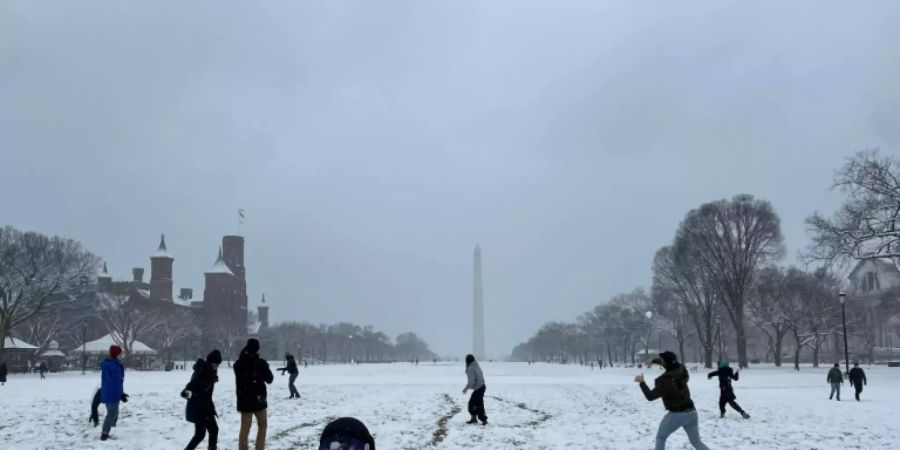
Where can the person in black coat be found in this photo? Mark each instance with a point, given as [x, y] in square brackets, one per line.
[291, 369]
[42, 369]
[726, 391]
[251, 374]
[3, 373]
[200, 409]
[857, 379]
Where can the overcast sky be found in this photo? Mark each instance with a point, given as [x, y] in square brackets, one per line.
[374, 143]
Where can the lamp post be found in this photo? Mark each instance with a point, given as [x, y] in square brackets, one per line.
[842, 295]
[719, 335]
[649, 316]
[83, 345]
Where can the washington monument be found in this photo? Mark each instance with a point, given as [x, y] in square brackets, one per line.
[478, 309]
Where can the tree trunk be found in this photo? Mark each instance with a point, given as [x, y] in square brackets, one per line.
[741, 340]
[681, 354]
[797, 352]
[779, 341]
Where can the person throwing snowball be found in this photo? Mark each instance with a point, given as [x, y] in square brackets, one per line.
[476, 384]
[672, 387]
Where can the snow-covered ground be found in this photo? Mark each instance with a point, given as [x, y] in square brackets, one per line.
[421, 407]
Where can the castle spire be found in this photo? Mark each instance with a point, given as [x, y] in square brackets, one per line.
[264, 298]
[162, 251]
[219, 266]
[105, 271]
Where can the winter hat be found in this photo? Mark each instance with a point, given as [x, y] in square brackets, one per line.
[723, 363]
[668, 359]
[346, 433]
[214, 357]
[470, 359]
[115, 351]
[252, 346]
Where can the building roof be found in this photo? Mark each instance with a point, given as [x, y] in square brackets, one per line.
[52, 353]
[878, 263]
[12, 342]
[143, 293]
[219, 266]
[102, 346]
[162, 251]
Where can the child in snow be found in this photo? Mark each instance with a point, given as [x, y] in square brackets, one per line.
[672, 387]
[857, 378]
[836, 379]
[291, 369]
[476, 383]
[112, 381]
[346, 433]
[726, 392]
[252, 374]
[200, 410]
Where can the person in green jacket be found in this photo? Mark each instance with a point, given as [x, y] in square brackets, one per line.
[836, 379]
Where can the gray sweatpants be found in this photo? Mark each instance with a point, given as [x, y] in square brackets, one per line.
[675, 420]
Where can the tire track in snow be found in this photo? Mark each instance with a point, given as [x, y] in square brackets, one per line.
[441, 432]
[542, 415]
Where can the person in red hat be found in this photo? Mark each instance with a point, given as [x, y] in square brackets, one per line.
[112, 381]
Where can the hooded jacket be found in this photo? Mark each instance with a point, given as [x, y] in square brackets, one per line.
[835, 376]
[475, 376]
[112, 380]
[672, 387]
[200, 404]
[251, 374]
[857, 376]
[725, 374]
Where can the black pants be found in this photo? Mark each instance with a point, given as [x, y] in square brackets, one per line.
[294, 391]
[476, 404]
[858, 388]
[200, 429]
[727, 398]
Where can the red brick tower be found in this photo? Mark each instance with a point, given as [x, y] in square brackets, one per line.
[233, 254]
[161, 273]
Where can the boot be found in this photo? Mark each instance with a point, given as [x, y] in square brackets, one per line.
[484, 422]
[104, 436]
[745, 415]
[722, 415]
[473, 421]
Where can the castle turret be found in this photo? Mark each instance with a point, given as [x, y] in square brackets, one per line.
[161, 273]
[263, 313]
[104, 280]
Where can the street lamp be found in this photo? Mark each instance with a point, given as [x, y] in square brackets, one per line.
[842, 295]
[83, 345]
[649, 316]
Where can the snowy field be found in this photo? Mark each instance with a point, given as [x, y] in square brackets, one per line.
[421, 407]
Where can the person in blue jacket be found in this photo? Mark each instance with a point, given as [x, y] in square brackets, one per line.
[112, 381]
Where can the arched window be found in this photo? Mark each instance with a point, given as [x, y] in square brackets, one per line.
[870, 282]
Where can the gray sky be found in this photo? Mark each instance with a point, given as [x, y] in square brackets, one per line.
[373, 144]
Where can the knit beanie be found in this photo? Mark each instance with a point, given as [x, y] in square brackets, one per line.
[115, 351]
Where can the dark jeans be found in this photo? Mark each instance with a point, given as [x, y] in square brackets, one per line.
[112, 416]
[476, 404]
[200, 429]
[858, 388]
[294, 391]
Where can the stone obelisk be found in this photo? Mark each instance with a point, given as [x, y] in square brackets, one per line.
[478, 309]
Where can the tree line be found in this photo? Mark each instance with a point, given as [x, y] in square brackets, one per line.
[722, 269]
[48, 292]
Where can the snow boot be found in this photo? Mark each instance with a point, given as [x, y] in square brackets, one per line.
[104, 437]
[474, 421]
[745, 415]
[721, 415]
[484, 422]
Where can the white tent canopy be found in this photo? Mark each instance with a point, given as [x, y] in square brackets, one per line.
[12, 342]
[102, 346]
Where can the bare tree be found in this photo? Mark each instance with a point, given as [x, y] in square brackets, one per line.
[867, 225]
[766, 304]
[734, 238]
[672, 316]
[125, 321]
[172, 332]
[679, 270]
[38, 273]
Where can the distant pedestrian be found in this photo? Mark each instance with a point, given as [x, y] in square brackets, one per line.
[200, 409]
[112, 381]
[42, 369]
[476, 383]
[3, 372]
[836, 379]
[857, 379]
[726, 391]
[346, 433]
[251, 375]
[291, 369]
[672, 387]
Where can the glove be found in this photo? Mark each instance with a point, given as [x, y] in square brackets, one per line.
[124, 398]
[185, 394]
